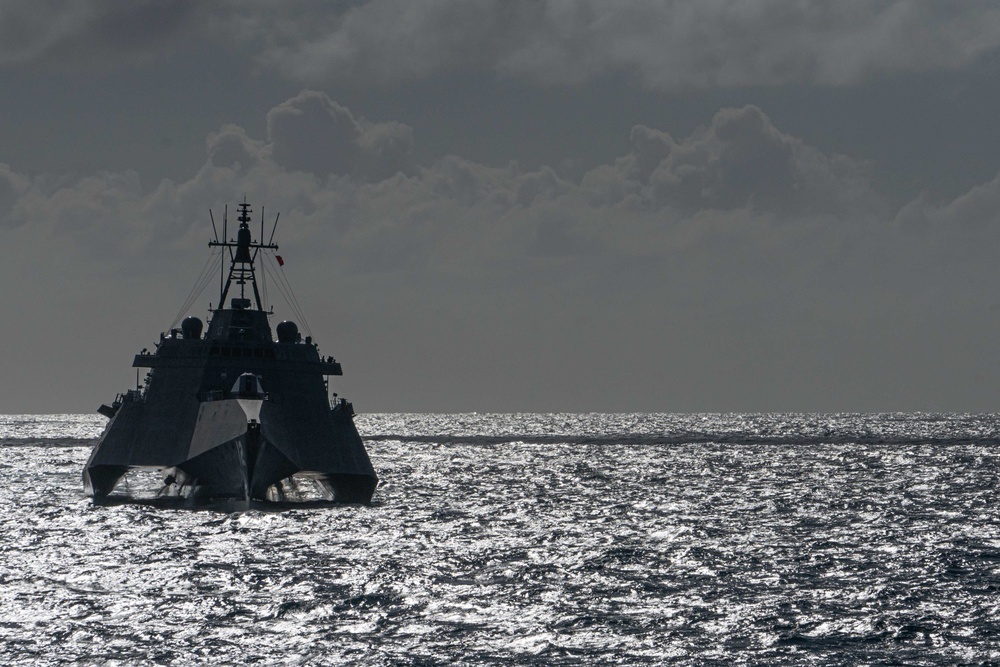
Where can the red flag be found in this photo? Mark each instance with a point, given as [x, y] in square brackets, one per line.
[281, 262]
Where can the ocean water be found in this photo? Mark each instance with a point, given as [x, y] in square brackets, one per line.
[555, 539]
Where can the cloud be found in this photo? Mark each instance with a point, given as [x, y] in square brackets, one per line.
[12, 187]
[91, 31]
[351, 185]
[416, 39]
[359, 200]
[759, 42]
[740, 160]
[733, 268]
[231, 147]
[974, 212]
[312, 133]
[663, 46]
[963, 232]
[667, 46]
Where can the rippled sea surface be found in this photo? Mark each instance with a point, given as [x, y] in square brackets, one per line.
[533, 540]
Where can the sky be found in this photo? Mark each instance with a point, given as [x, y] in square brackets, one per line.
[518, 205]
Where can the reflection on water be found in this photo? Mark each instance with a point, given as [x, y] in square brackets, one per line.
[531, 539]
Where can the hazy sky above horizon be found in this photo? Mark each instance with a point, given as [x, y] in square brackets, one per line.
[507, 205]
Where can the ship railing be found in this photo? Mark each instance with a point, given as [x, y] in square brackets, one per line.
[130, 396]
[342, 406]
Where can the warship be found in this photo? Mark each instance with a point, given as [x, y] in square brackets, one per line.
[233, 413]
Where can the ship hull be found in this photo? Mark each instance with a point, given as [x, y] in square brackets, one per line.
[234, 449]
[234, 413]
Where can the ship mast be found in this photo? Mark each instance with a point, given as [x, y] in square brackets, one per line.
[242, 255]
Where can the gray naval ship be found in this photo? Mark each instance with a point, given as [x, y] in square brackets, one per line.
[233, 413]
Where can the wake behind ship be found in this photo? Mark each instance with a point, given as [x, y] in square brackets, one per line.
[233, 413]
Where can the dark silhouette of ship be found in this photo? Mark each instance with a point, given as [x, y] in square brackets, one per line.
[233, 413]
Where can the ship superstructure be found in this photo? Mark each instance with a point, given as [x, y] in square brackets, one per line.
[234, 413]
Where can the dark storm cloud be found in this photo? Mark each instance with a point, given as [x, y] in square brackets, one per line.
[664, 45]
[79, 33]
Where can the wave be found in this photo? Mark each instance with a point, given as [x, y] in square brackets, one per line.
[619, 440]
[632, 439]
[48, 442]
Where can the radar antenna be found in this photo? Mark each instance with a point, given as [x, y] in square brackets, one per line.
[243, 253]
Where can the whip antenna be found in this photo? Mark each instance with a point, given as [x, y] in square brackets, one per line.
[274, 228]
[214, 230]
